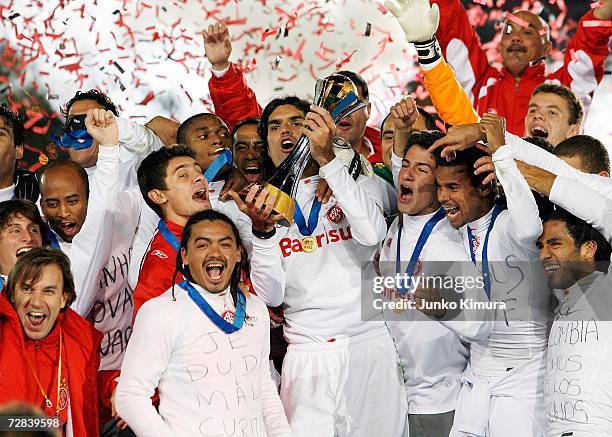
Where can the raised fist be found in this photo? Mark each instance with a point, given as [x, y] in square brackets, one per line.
[102, 126]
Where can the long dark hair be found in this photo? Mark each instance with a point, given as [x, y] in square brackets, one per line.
[211, 215]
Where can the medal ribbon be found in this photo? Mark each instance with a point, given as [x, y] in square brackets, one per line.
[225, 157]
[485, 258]
[219, 321]
[313, 217]
[418, 248]
[52, 238]
[168, 236]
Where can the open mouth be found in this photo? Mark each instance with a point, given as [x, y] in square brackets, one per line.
[22, 251]
[452, 213]
[214, 270]
[287, 145]
[252, 173]
[539, 131]
[405, 193]
[200, 194]
[69, 228]
[35, 318]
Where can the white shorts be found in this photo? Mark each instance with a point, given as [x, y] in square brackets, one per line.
[506, 406]
[351, 387]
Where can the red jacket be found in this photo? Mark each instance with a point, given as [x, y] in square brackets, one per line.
[80, 361]
[158, 267]
[234, 100]
[232, 97]
[496, 90]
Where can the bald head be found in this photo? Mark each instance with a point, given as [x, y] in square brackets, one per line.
[64, 193]
[525, 38]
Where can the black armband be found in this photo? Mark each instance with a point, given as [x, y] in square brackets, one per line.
[428, 51]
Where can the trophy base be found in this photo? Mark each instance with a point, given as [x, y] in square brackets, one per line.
[282, 205]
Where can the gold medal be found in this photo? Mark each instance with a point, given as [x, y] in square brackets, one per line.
[309, 244]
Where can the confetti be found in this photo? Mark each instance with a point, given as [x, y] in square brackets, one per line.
[516, 20]
[150, 96]
[368, 29]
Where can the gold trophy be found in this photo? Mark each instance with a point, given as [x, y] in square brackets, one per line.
[338, 95]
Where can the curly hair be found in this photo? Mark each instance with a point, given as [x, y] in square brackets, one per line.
[15, 121]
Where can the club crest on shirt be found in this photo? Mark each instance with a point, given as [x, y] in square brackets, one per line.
[389, 241]
[158, 253]
[335, 214]
[228, 316]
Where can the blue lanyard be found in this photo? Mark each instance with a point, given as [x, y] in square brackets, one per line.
[52, 238]
[168, 236]
[418, 248]
[221, 323]
[313, 217]
[225, 157]
[485, 257]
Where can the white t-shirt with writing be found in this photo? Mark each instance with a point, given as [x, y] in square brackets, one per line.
[578, 372]
[210, 382]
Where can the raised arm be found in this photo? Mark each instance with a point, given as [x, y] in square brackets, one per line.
[136, 138]
[91, 247]
[232, 97]
[360, 200]
[523, 225]
[586, 52]
[573, 196]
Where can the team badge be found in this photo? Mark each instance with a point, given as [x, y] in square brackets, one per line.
[228, 316]
[335, 214]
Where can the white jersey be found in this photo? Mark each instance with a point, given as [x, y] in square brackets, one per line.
[321, 290]
[432, 384]
[578, 372]
[7, 193]
[517, 278]
[209, 382]
[584, 202]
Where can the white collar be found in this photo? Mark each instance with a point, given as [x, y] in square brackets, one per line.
[480, 225]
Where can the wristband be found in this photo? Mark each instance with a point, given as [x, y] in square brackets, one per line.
[428, 51]
[264, 235]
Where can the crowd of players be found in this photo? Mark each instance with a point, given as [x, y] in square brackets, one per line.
[141, 298]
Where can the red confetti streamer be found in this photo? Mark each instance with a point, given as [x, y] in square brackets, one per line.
[150, 96]
[267, 33]
[346, 59]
